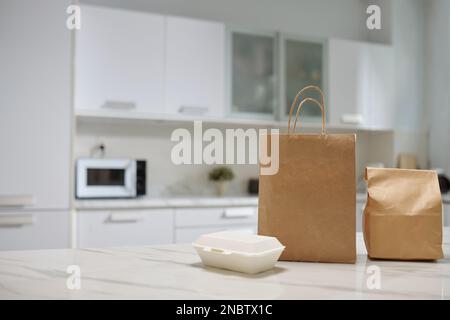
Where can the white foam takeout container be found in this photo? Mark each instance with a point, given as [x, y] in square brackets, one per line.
[236, 251]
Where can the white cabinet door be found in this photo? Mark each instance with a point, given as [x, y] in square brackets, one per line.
[361, 89]
[380, 66]
[193, 222]
[194, 80]
[35, 107]
[189, 235]
[124, 228]
[30, 230]
[446, 214]
[348, 83]
[119, 60]
[359, 215]
[194, 217]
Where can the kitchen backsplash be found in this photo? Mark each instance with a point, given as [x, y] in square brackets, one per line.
[151, 141]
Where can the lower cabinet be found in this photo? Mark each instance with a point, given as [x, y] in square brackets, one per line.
[30, 230]
[107, 228]
[193, 222]
[359, 215]
[446, 213]
[186, 235]
[134, 227]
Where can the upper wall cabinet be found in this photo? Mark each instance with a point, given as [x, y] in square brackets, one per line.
[381, 103]
[361, 84]
[302, 64]
[194, 79]
[252, 68]
[119, 60]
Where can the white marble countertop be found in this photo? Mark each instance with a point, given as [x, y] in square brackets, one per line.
[175, 272]
[147, 202]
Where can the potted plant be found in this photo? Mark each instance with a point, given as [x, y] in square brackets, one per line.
[221, 176]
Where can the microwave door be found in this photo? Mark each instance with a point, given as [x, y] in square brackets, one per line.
[106, 178]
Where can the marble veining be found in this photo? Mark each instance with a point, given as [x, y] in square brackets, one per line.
[176, 272]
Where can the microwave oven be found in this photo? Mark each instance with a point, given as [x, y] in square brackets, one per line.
[110, 178]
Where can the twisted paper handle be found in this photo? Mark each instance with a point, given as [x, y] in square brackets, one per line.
[294, 103]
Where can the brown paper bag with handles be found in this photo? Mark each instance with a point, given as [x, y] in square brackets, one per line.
[310, 203]
[403, 214]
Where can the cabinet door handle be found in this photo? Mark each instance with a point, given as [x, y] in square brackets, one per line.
[193, 110]
[236, 213]
[17, 201]
[13, 219]
[119, 217]
[350, 118]
[119, 105]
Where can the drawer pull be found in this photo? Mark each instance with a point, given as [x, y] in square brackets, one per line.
[236, 213]
[349, 118]
[124, 217]
[17, 201]
[119, 105]
[10, 220]
[193, 110]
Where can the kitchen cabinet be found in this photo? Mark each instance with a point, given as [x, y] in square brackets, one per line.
[194, 67]
[302, 64]
[361, 84]
[35, 103]
[119, 61]
[106, 228]
[30, 230]
[189, 235]
[360, 205]
[446, 213]
[253, 74]
[191, 223]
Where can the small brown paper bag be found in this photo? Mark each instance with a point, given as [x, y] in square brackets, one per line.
[403, 214]
[310, 204]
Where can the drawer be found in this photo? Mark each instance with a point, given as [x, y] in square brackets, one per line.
[194, 217]
[124, 227]
[189, 235]
[30, 230]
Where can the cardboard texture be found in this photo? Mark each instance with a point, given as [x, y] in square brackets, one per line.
[403, 215]
[310, 204]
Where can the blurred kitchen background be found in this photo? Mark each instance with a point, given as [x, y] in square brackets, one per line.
[138, 69]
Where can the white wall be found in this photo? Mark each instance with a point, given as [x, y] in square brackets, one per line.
[326, 18]
[438, 81]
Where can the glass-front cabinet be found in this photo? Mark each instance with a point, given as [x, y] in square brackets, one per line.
[302, 64]
[252, 60]
[267, 71]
